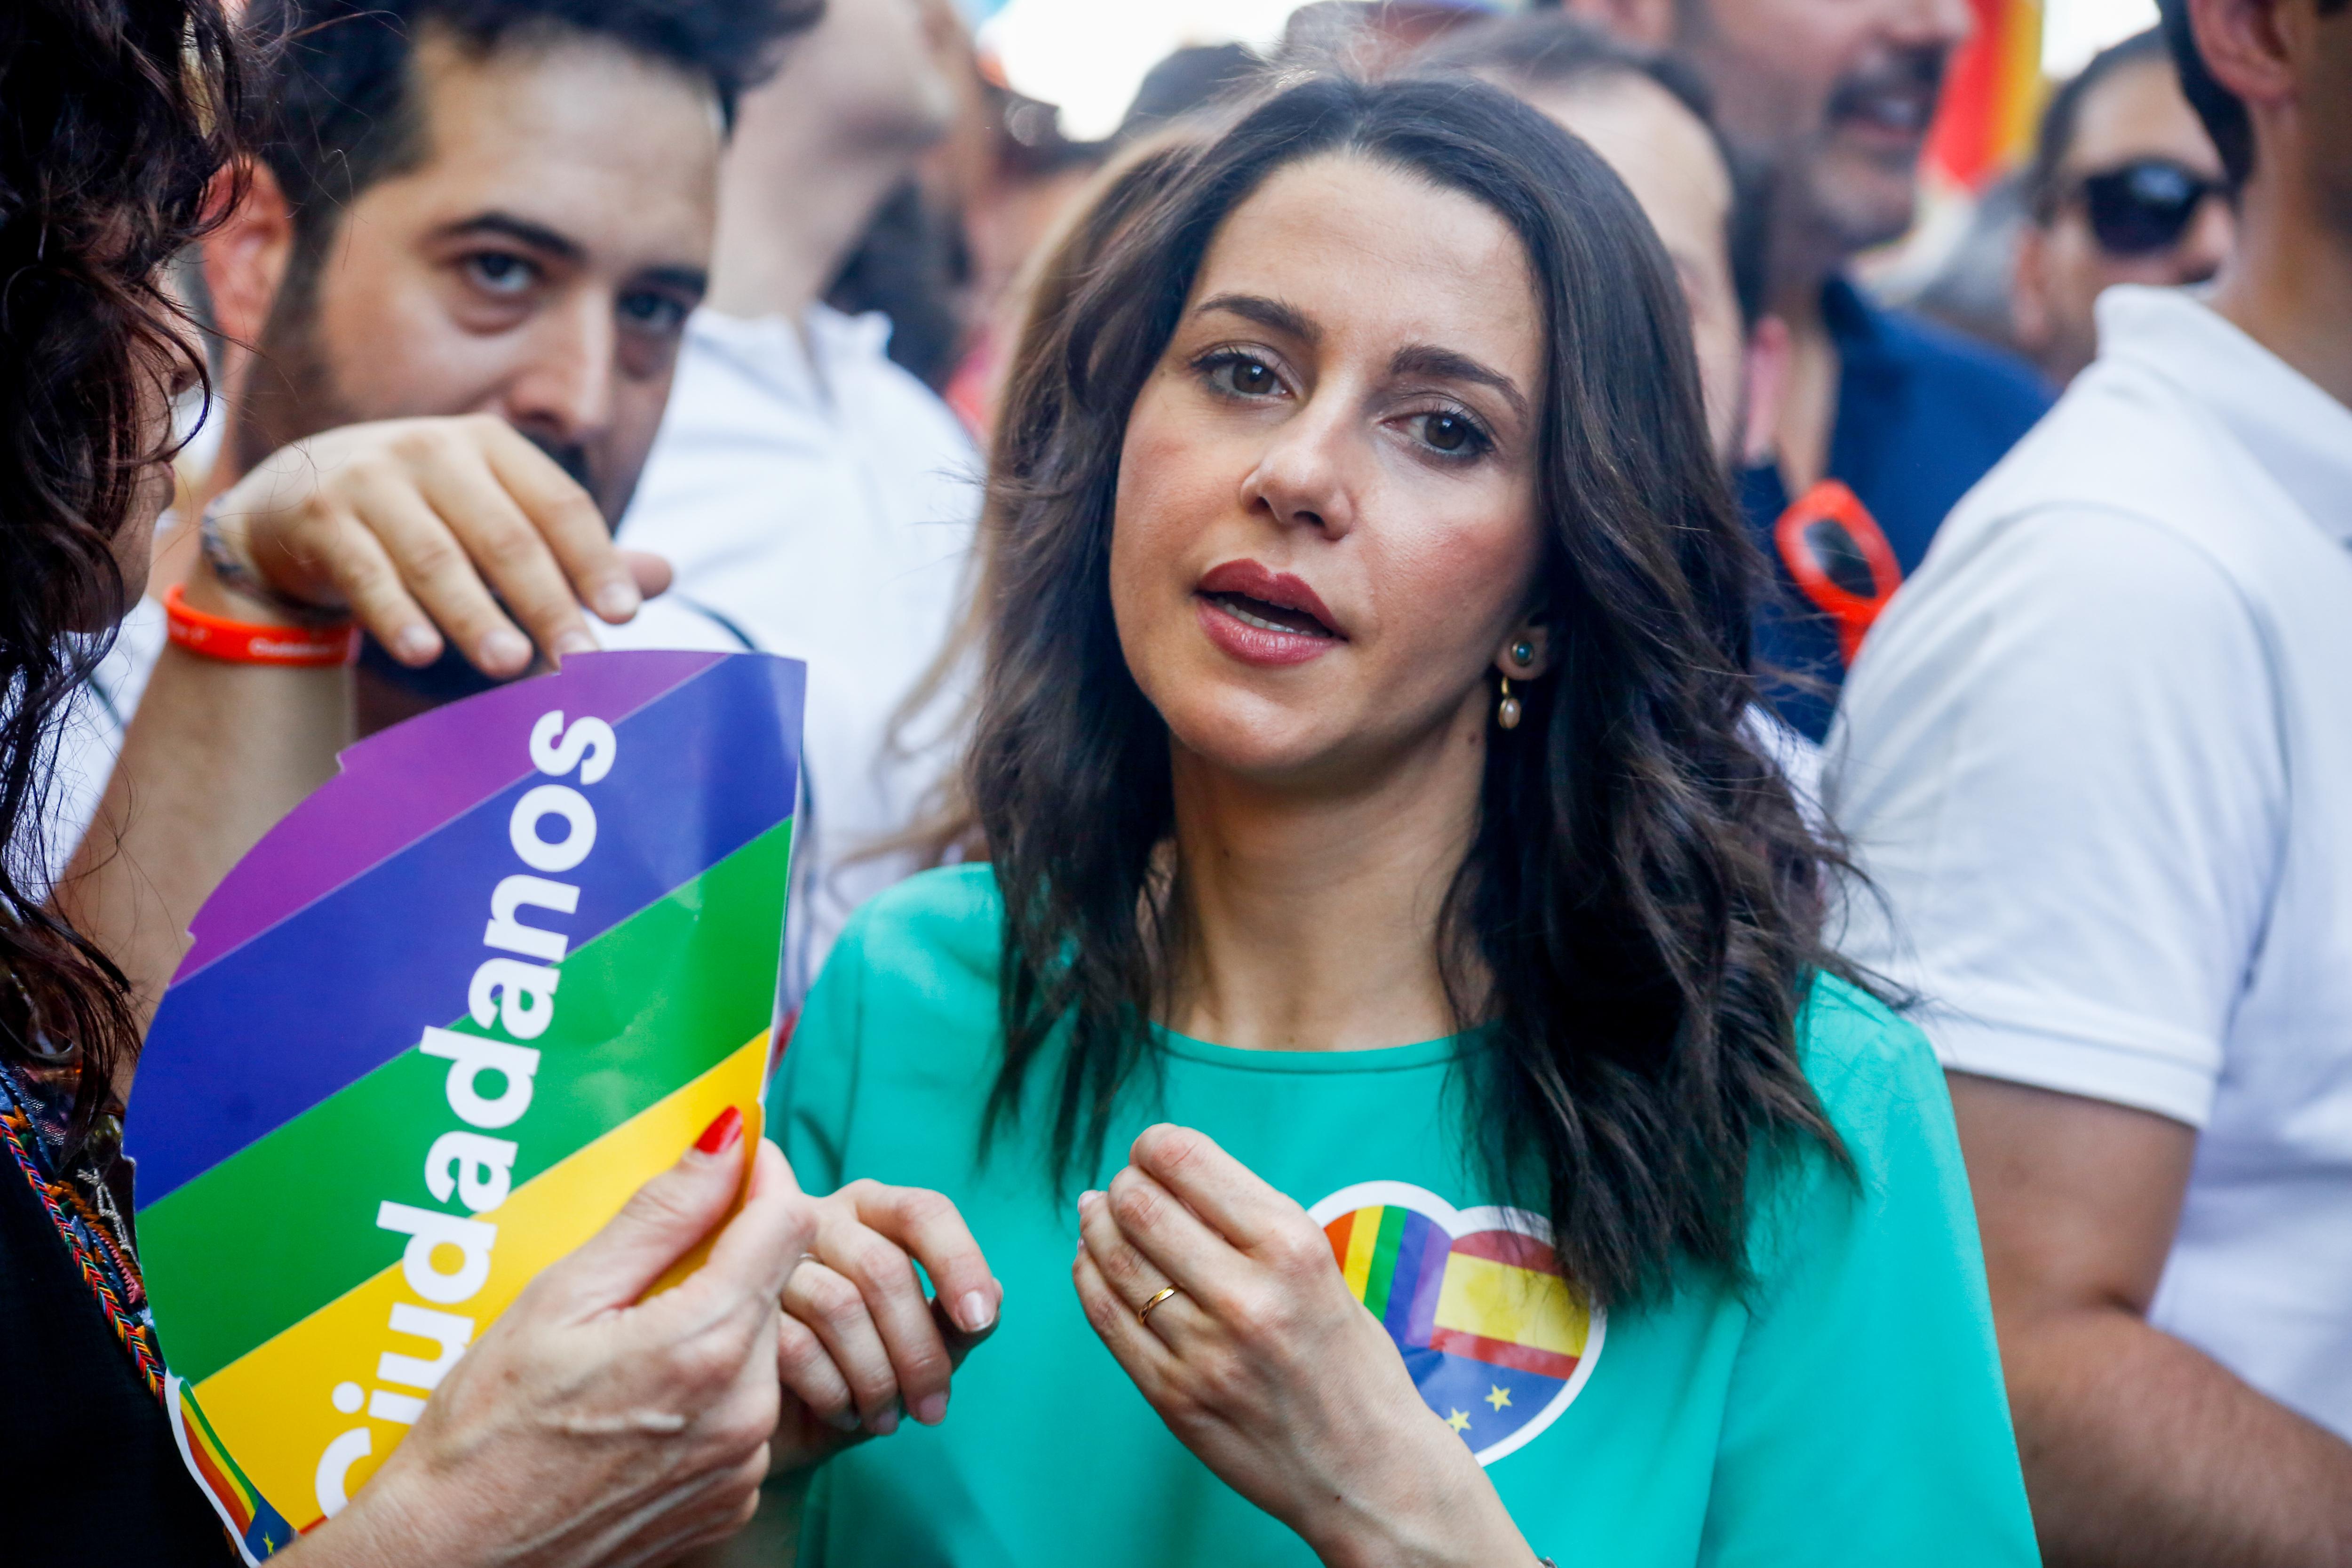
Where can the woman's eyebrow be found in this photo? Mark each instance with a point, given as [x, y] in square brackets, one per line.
[1428, 359]
[1271, 314]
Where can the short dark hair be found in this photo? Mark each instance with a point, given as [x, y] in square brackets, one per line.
[334, 102]
[1552, 49]
[2064, 116]
[2223, 114]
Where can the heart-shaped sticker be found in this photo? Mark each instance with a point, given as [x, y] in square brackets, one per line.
[1497, 1341]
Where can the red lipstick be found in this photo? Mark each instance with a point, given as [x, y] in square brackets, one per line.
[1263, 618]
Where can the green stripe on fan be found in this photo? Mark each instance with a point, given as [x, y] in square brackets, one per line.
[639, 1012]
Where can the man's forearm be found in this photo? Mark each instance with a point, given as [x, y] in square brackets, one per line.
[2142, 1452]
[216, 755]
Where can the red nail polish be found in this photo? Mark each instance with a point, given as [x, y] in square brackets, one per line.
[722, 1131]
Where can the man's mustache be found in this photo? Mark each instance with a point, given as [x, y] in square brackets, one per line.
[571, 458]
[453, 675]
[1918, 72]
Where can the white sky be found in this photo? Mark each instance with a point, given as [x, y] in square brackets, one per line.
[1089, 55]
[2074, 31]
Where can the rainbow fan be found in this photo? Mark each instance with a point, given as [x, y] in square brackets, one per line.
[434, 1031]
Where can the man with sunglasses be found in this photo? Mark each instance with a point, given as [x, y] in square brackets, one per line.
[2125, 187]
[2096, 761]
[1835, 97]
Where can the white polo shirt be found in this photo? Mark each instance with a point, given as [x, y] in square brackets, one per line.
[819, 501]
[2097, 760]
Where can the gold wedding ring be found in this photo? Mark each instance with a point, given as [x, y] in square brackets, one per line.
[1158, 1295]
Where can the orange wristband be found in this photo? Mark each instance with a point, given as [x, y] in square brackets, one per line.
[251, 642]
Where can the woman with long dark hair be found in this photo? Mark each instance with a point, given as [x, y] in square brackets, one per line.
[584, 1428]
[1397, 979]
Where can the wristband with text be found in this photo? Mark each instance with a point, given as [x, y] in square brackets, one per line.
[251, 642]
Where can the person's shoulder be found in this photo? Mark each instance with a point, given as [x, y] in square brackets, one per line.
[1996, 385]
[1867, 1064]
[2108, 502]
[1878, 1082]
[947, 920]
[857, 353]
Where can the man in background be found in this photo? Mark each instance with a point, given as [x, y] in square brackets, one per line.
[1835, 98]
[466, 258]
[2096, 763]
[2125, 187]
[1652, 120]
[811, 494]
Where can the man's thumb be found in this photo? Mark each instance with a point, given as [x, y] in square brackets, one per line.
[663, 1221]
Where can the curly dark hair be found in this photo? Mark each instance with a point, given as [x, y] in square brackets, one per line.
[116, 118]
[1639, 919]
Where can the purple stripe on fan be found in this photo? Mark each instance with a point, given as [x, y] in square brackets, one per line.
[339, 832]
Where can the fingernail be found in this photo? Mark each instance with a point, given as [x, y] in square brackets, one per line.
[843, 1421]
[574, 642]
[973, 1313]
[722, 1132]
[504, 650]
[1087, 1200]
[618, 601]
[932, 1409]
[888, 1422]
[413, 644]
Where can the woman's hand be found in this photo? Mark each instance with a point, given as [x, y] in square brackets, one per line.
[412, 524]
[587, 1428]
[859, 1345]
[1268, 1368]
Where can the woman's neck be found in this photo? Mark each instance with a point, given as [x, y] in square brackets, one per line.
[1309, 921]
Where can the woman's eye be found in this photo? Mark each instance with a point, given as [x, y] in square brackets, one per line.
[1248, 377]
[1451, 433]
[501, 272]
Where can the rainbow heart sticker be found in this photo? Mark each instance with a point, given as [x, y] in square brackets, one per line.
[1496, 1342]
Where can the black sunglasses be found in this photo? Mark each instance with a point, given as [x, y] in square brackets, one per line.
[2145, 206]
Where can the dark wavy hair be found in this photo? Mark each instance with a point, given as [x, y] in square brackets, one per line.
[1638, 917]
[116, 117]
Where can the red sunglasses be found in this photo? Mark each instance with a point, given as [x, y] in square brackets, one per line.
[1839, 560]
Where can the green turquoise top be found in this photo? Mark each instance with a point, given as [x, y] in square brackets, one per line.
[1845, 1408]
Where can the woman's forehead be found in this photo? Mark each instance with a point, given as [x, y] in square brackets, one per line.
[1362, 249]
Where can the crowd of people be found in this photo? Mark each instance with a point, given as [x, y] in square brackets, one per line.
[1490, 870]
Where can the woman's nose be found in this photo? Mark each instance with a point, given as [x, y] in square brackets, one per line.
[1305, 476]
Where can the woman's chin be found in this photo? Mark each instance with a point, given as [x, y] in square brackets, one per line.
[1265, 744]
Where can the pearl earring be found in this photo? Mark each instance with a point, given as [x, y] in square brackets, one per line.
[1506, 712]
[1523, 653]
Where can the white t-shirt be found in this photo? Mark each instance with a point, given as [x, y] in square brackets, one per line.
[89, 738]
[2097, 760]
[818, 500]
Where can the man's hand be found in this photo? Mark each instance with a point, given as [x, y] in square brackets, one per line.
[859, 1345]
[2138, 1449]
[415, 524]
[589, 1428]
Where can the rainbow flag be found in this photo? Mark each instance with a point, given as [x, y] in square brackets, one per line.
[434, 1031]
[1497, 1341]
[1993, 90]
[258, 1528]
